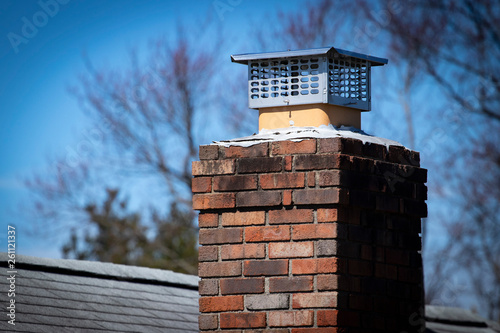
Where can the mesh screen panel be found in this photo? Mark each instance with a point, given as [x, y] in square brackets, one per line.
[336, 80]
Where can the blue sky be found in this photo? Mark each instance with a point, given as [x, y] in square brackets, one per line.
[41, 47]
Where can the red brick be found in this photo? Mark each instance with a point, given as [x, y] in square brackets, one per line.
[267, 233]
[290, 284]
[291, 216]
[387, 203]
[201, 184]
[213, 201]
[221, 236]
[388, 271]
[366, 252]
[243, 320]
[384, 304]
[260, 164]
[385, 169]
[351, 215]
[363, 199]
[361, 234]
[345, 145]
[314, 266]
[243, 251]
[414, 158]
[207, 322]
[343, 249]
[407, 274]
[377, 322]
[395, 154]
[360, 267]
[327, 282]
[209, 152]
[398, 186]
[330, 178]
[374, 150]
[311, 179]
[420, 192]
[327, 215]
[327, 248]
[363, 165]
[290, 318]
[314, 231]
[418, 175]
[208, 253]
[373, 286]
[209, 168]
[352, 146]
[258, 199]
[267, 302]
[319, 162]
[265, 267]
[348, 318]
[380, 254]
[397, 257]
[380, 270]
[235, 183]
[242, 286]
[291, 250]
[208, 220]
[288, 163]
[221, 303]
[287, 197]
[330, 145]
[315, 300]
[208, 287]
[318, 197]
[291, 147]
[360, 302]
[243, 218]
[282, 180]
[215, 269]
[258, 150]
[327, 317]
[413, 207]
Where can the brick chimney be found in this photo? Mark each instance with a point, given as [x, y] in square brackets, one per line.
[310, 229]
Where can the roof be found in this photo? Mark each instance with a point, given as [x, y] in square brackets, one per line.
[443, 319]
[74, 296]
[245, 58]
[54, 295]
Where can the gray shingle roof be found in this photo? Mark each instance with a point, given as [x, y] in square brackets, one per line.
[441, 319]
[56, 295]
[81, 296]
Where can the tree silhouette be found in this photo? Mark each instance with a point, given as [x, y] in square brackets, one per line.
[147, 123]
[115, 235]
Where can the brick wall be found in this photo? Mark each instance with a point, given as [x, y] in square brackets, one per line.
[320, 235]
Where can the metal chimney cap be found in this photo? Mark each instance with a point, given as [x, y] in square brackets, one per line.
[323, 51]
[325, 75]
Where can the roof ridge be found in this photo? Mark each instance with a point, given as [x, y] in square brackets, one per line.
[105, 270]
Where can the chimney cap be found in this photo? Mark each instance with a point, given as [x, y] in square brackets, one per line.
[322, 51]
[291, 79]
